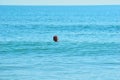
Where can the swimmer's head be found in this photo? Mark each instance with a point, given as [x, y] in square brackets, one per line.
[55, 38]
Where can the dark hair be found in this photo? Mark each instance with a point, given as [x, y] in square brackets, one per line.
[55, 38]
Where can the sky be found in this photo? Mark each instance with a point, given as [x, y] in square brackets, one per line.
[59, 2]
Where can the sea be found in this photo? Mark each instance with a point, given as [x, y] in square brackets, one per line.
[88, 46]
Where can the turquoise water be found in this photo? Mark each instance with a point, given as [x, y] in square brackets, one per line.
[88, 47]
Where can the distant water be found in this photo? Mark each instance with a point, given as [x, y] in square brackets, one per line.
[88, 47]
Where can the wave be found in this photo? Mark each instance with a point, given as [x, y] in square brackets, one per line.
[63, 48]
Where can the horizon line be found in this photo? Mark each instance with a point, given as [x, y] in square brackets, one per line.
[60, 5]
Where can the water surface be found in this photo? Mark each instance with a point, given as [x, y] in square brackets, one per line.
[88, 47]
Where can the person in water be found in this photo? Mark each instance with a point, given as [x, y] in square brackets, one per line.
[55, 38]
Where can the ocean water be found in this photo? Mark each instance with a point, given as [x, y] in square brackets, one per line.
[88, 47]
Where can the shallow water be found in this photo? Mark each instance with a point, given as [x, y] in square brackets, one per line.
[88, 47]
